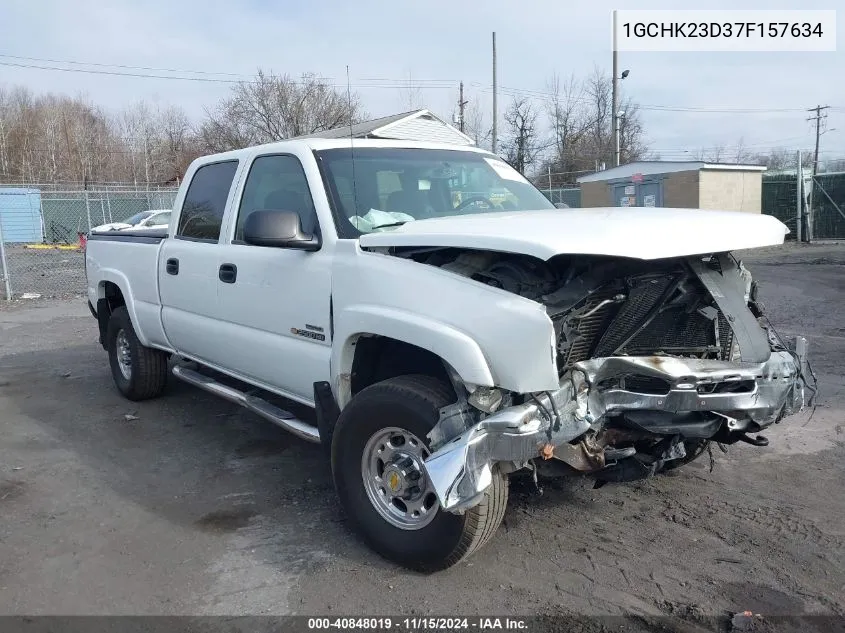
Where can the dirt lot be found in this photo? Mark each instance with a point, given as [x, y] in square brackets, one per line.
[193, 506]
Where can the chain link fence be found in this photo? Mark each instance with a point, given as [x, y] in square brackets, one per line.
[570, 196]
[823, 212]
[43, 231]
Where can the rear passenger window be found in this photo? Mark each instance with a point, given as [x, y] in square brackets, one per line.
[277, 182]
[205, 201]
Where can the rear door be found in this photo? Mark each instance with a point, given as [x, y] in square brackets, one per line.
[188, 263]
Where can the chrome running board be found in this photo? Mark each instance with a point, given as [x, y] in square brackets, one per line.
[257, 405]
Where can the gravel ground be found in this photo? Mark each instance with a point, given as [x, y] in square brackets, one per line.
[194, 506]
[50, 272]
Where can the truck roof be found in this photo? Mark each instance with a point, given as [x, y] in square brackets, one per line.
[334, 143]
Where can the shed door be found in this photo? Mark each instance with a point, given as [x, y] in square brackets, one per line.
[649, 194]
[625, 194]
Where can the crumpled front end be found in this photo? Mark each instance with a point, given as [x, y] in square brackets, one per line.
[625, 415]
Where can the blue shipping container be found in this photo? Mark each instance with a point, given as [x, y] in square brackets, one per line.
[20, 216]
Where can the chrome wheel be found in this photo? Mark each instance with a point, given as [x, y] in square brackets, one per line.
[395, 479]
[124, 354]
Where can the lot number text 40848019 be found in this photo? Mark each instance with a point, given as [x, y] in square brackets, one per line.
[420, 624]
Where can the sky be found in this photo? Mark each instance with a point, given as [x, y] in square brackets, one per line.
[436, 44]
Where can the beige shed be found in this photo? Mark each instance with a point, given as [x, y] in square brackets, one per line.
[685, 185]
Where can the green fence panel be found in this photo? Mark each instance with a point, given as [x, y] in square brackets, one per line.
[828, 222]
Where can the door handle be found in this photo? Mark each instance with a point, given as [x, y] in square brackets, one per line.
[172, 266]
[228, 273]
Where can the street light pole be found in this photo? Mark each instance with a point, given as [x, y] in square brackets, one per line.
[615, 99]
[616, 118]
[615, 114]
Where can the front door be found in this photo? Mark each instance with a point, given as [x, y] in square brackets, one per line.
[274, 302]
[187, 270]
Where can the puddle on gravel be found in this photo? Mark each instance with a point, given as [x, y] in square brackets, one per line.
[225, 520]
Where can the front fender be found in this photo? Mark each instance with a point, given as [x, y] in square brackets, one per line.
[453, 346]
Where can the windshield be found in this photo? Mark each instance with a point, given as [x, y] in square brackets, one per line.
[138, 217]
[397, 185]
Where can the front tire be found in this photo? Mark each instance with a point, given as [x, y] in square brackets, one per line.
[378, 447]
[139, 372]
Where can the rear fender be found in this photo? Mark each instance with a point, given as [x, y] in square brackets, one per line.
[122, 282]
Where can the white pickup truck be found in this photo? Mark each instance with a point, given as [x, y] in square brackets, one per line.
[448, 325]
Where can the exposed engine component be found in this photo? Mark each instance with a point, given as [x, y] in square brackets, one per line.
[520, 275]
[656, 359]
[606, 307]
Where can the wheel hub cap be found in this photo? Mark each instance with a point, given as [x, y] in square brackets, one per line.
[124, 354]
[395, 479]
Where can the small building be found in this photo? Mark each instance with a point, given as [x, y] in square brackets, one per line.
[417, 125]
[20, 216]
[684, 185]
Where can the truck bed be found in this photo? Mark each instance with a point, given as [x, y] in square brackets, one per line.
[130, 260]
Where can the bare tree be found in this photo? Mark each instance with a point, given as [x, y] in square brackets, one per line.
[742, 153]
[176, 147]
[410, 96]
[715, 154]
[581, 121]
[837, 165]
[566, 114]
[273, 108]
[5, 130]
[779, 159]
[521, 137]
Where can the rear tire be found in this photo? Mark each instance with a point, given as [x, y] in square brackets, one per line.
[395, 416]
[139, 372]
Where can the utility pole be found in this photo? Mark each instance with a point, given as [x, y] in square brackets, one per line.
[818, 119]
[461, 104]
[615, 98]
[495, 109]
[146, 161]
[799, 185]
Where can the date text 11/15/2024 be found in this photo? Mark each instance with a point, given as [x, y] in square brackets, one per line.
[420, 624]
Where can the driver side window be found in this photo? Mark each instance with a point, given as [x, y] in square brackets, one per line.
[277, 182]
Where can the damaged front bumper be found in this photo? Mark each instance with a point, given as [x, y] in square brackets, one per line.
[748, 396]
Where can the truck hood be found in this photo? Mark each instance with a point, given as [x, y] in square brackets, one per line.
[639, 233]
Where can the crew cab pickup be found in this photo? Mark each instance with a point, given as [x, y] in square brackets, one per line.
[448, 325]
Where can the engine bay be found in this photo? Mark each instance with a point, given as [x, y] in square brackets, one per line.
[605, 306]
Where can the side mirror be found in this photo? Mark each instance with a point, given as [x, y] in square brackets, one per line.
[561, 205]
[279, 229]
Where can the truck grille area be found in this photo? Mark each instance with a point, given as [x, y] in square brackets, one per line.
[667, 313]
[643, 298]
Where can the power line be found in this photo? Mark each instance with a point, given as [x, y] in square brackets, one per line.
[371, 82]
[197, 72]
[180, 78]
[117, 74]
[718, 110]
[99, 64]
[739, 145]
